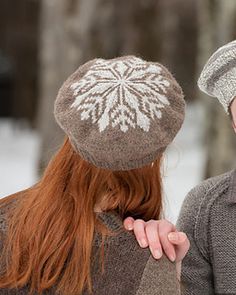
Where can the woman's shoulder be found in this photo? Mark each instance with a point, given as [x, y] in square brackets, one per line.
[159, 277]
[6, 206]
[134, 266]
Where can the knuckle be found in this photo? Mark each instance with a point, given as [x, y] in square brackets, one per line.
[152, 225]
[139, 222]
[166, 223]
[151, 221]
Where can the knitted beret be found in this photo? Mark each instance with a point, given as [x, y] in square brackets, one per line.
[120, 114]
[218, 77]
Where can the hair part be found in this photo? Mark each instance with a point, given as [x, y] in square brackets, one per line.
[50, 232]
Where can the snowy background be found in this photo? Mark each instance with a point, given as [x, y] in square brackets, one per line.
[183, 165]
[42, 42]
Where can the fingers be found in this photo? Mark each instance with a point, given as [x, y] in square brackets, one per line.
[161, 236]
[129, 223]
[153, 239]
[164, 229]
[181, 242]
[139, 231]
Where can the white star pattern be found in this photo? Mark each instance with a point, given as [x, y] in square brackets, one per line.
[125, 92]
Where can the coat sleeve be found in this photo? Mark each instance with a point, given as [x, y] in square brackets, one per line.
[159, 277]
[196, 272]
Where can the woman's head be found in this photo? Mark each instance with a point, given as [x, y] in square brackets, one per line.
[122, 113]
[119, 116]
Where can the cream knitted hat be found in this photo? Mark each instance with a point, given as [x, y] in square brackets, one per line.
[120, 114]
[218, 77]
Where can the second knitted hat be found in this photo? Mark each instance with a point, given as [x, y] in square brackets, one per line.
[120, 114]
[218, 77]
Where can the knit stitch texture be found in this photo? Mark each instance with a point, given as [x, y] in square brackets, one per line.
[208, 217]
[218, 77]
[120, 114]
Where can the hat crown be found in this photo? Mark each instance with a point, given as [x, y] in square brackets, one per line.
[127, 92]
[120, 114]
[218, 77]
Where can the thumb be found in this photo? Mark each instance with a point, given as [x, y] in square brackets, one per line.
[177, 238]
[181, 242]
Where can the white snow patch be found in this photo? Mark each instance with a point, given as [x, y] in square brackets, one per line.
[19, 147]
[184, 161]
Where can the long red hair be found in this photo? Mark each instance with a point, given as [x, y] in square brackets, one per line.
[50, 232]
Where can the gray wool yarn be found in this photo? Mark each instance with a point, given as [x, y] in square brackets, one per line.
[218, 77]
[120, 114]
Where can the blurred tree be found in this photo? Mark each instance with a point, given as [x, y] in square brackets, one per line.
[74, 31]
[217, 27]
[179, 42]
[6, 86]
[19, 43]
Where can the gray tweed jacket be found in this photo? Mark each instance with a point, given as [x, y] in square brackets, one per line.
[129, 270]
[208, 216]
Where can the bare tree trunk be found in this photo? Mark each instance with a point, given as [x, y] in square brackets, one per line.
[70, 34]
[179, 42]
[56, 64]
[19, 44]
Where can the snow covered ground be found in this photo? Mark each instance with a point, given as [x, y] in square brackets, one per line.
[183, 168]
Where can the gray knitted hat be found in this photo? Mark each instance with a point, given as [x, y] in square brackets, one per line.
[120, 114]
[218, 77]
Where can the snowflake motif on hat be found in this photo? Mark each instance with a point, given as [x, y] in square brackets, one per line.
[128, 93]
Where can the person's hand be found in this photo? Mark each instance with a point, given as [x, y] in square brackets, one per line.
[161, 236]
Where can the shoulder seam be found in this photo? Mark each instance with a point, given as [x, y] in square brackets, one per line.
[196, 222]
